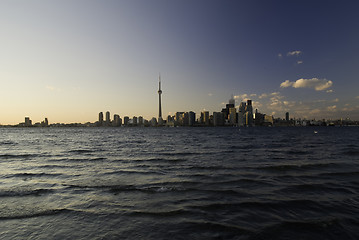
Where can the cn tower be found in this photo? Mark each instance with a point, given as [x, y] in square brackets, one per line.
[159, 98]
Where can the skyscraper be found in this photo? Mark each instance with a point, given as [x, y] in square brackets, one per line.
[108, 120]
[100, 118]
[159, 99]
[249, 112]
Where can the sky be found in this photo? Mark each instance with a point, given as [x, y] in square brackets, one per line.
[69, 60]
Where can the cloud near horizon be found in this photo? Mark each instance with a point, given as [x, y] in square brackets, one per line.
[315, 83]
[294, 53]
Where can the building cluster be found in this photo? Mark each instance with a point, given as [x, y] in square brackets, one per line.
[228, 116]
[242, 116]
[28, 123]
[117, 121]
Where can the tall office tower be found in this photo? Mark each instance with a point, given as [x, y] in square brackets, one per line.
[287, 116]
[159, 98]
[134, 121]
[191, 118]
[108, 120]
[185, 119]
[218, 119]
[116, 120]
[126, 120]
[241, 114]
[231, 104]
[140, 120]
[100, 118]
[170, 119]
[249, 110]
[232, 117]
[206, 117]
[153, 122]
[178, 118]
[28, 122]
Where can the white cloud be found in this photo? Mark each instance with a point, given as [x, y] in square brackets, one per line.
[280, 55]
[330, 91]
[242, 97]
[257, 104]
[51, 88]
[286, 84]
[332, 108]
[316, 83]
[274, 93]
[299, 62]
[294, 53]
[315, 111]
[263, 95]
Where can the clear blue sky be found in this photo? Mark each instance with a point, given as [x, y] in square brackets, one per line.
[69, 60]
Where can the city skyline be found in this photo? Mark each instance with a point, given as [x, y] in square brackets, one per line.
[67, 61]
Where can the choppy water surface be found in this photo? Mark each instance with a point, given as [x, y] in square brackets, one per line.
[179, 183]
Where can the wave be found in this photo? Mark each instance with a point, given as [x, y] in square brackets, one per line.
[77, 160]
[8, 142]
[143, 172]
[30, 175]
[24, 192]
[289, 167]
[178, 153]
[156, 159]
[277, 206]
[36, 214]
[52, 166]
[216, 230]
[161, 214]
[297, 152]
[341, 174]
[325, 228]
[160, 188]
[316, 188]
[18, 156]
[350, 152]
[82, 151]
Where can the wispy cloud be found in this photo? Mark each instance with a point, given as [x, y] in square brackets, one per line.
[299, 62]
[241, 97]
[52, 88]
[265, 95]
[332, 108]
[315, 83]
[294, 53]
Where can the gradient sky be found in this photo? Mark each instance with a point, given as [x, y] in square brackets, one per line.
[69, 60]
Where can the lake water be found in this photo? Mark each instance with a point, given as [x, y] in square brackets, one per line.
[179, 183]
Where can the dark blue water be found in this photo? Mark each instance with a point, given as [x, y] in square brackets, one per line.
[179, 183]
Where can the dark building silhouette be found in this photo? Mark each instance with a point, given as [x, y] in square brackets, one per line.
[100, 118]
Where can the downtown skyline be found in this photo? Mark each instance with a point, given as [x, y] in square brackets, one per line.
[68, 60]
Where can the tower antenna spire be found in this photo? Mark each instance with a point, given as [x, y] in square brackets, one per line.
[159, 98]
